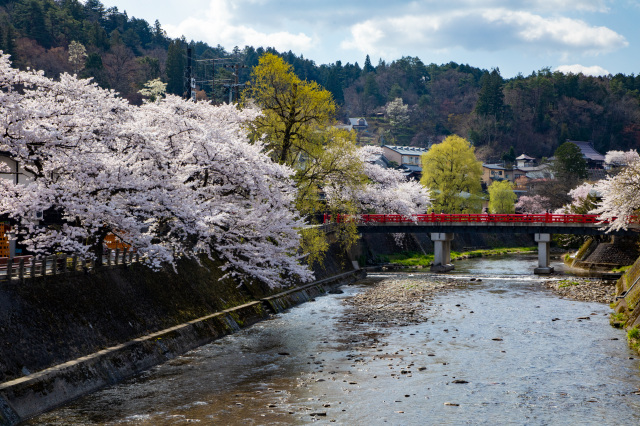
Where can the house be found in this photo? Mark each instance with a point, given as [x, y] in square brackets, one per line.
[594, 159]
[525, 161]
[406, 158]
[493, 172]
[404, 155]
[358, 124]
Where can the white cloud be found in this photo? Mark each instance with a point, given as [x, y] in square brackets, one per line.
[563, 32]
[481, 30]
[218, 26]
[572, 5]
[594, 70]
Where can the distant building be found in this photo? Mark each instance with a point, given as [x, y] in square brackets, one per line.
[404, 155]
[525, 161]
[493, 172]
[358, 124]
[406, 158]
[594, 159]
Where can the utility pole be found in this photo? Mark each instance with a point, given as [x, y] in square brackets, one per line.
[236, 85]
[188, 76]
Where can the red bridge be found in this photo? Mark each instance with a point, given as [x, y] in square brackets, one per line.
[443, 226]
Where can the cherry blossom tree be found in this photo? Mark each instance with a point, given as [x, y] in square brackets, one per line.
[619, 197]
[384, 191]
[621, 158]
[172, 178]
[532, 204]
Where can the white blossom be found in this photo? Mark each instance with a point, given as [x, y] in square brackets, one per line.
[621, 158]
[171, 178]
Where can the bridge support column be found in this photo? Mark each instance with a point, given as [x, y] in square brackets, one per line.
[441, 252]
[544, 243]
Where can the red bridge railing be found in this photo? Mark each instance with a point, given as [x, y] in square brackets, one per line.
[471, 218]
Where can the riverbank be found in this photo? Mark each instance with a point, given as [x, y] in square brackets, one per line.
[584, 289]
[404, 301]
[503, 348]
[63, 337]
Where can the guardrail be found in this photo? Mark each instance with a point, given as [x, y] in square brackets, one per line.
[28, 267]
[471, 218]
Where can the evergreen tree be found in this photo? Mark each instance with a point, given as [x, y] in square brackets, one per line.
[30, 17]
[175, 68]
[491, 96]
[367, 66]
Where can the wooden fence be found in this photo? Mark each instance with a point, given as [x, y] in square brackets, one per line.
[21, 268]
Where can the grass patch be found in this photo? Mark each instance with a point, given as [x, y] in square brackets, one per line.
[413, 259]
[567, 283]
[633, 337]
[621, 268]
[618, 320]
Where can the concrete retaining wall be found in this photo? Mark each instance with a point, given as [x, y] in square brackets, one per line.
[36, 393]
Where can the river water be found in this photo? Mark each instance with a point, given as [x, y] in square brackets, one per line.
[501, 351]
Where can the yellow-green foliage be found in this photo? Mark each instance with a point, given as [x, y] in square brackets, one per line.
[584, 248]
[502, 199]
[452, 173]
[293, 109]
[314, 242]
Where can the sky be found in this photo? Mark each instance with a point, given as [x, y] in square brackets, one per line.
[596, 37]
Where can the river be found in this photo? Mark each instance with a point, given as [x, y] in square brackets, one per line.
[501, 351]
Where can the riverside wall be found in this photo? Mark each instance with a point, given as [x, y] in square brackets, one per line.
[66, 336]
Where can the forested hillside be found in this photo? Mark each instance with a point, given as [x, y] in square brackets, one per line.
[532, 113]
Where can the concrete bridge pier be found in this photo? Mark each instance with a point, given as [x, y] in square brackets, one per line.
[441, 252]
[544, 243]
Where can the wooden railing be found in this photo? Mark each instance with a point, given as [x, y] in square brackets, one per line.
[27, 267]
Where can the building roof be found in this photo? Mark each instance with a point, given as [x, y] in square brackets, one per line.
[588, 152]
[407, 150]
[356, 121]
[379, 160]
[493, 167]
[412, 168]
[525, 157]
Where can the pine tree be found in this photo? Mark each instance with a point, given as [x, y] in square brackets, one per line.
[491, 96]
[175, 68]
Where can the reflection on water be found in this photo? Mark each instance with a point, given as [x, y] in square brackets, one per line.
[500, 351]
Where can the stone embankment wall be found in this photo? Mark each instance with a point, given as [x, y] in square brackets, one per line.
[62, 337]
[605, 253]
[628, 296]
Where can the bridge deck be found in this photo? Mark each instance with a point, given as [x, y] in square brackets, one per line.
[545, 223]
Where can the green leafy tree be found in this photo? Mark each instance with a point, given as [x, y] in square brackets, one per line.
[452, 173]
[502, 199]
[293, 109]
[569, 163]
[295, 127]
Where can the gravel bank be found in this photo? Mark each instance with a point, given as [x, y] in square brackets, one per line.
[398, 301]
[584, 289]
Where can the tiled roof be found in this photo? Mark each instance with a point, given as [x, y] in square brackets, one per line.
[525, 157]
[407, 150]
[588, 151]
[493, 166]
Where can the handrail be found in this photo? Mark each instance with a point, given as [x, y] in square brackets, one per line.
[471, 217]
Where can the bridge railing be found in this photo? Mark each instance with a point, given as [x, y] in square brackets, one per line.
[474, 218]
